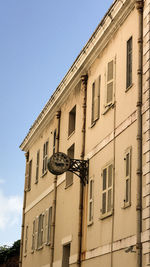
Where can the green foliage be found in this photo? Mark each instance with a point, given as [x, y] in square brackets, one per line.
[7, 252]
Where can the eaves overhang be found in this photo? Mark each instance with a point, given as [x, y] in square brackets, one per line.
[81, 63]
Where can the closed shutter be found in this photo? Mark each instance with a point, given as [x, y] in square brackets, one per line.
[49, 225]
[96, 99]
[110, 82]
[36, 232]
[90, 197]
[127, 160]
[27, 175]
[37, 166]
[30, 175]
[45, 230]
[107, 190]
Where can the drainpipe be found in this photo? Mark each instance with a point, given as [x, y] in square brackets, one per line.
[58, 115]
[23, 212]
[139, 6]
[84, 92]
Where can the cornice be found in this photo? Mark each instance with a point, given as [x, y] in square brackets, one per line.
[108, 25]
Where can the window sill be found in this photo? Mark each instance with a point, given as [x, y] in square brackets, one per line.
[32, 251]
[43, 174]
[106, 215]
[41, 247]
[126, 205]
[36, 182]
[94, 122]
[129, 87]
[48, 244]
[66, 187]
[25, 255]
[90, 223]
[28, 190]
[107, 108]
[69, 136]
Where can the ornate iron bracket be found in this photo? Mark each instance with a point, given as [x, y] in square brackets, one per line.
[80, 168]
[59, 163]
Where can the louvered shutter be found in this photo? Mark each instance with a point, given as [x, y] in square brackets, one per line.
[49, 225]
[110, 82]
[96, 99]
[45, 223]
[36, 232]
[27, 175]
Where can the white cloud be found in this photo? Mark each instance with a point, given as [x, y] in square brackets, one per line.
[10, 210]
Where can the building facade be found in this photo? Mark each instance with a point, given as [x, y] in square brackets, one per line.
[100, 112]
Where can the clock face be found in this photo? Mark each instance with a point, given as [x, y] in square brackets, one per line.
[58, 163]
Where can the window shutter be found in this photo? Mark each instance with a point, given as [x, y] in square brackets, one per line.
[27, 175]
[43, 158]
[127, 159]
[91, 201]
[37, 166]
[110, 82]
[107, 190]
[42, 229]
[129, 63]
[45, 223]
[49, 225]
[30, 174]
[93, 97]
[33, 236]
[36, 232]
[96, 99]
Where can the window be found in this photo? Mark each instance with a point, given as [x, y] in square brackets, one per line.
[127, 160]
[45, 155]
[66, 255]
[96, 100]
[37, 166]
[69, 175]
[107, 191]
[129, 63]
[40, 231]
[90, 201]
[72, 121]
[33, 236]
[26, 239]
[109, 83]
[49, 225]
[54, 142]
[30, 175]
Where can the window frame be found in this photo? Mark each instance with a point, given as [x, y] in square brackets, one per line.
[95, 100]
[26, 240]
[69, 173]
[106, 191]
[129, 63]
[30, 174]
[37, 166]
[33, 236]
[72, 113]
[49, 226]
[90, 200]
[45, 157]
[40, 233]
[127, 178]
[109, 104]
[54, 141]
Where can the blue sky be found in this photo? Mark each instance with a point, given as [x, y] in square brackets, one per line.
[39, 40]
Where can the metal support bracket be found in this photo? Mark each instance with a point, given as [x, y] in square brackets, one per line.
[80, 168]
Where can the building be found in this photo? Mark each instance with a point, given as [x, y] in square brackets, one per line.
[100, 111]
